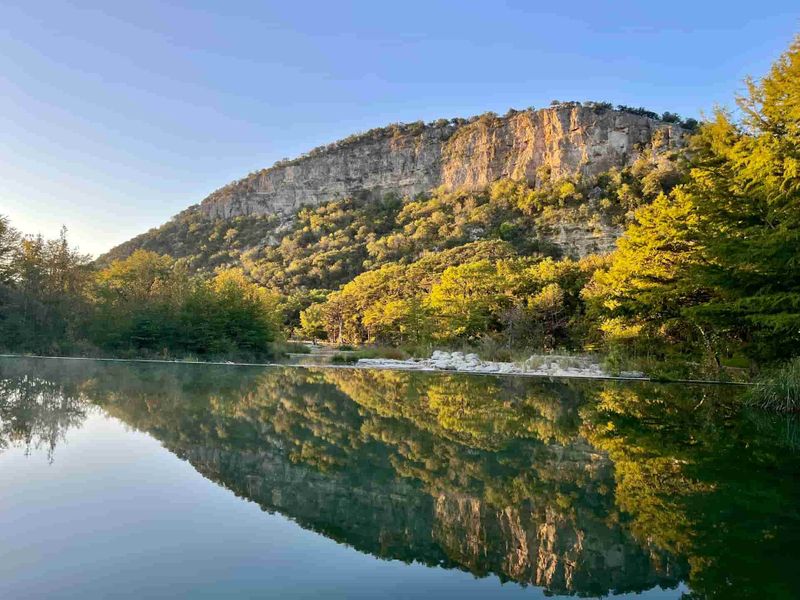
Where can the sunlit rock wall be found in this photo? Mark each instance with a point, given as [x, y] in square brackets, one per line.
[561, 141]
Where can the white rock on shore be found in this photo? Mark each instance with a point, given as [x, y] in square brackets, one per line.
[548, 366]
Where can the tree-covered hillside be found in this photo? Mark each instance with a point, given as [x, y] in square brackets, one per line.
[324, 247]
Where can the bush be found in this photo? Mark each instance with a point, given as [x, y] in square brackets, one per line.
[373, 352]
[778, 390]
[345, 359]
[294, 348]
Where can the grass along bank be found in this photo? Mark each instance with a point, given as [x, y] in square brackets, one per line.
[778, 390]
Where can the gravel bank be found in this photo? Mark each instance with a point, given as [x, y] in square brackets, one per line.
[546, 366]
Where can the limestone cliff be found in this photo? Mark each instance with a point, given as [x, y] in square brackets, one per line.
[564, 140]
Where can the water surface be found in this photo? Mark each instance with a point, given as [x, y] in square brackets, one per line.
[144, 480]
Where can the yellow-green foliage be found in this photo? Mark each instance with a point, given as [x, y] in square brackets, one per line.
[745, 182]
[326, 247]
[42, 292]
[204, 243]
[312, 323]
[150, 303]
[345, 309]
[645, 288]
[525, 300]
[466, 298]
[717, 261]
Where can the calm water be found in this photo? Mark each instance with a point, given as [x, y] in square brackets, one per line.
[136, 480]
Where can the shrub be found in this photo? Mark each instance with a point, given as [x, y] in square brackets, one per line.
[294, 348]
[371, 352]
[669, 117]
[345, 359]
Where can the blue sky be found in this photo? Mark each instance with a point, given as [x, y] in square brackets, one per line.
[117, 115]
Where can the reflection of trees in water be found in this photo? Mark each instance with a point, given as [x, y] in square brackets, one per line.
[715, 486]
[580, 487]
[487, 475]
[36, 412]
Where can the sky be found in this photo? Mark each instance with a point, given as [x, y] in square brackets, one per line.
[114, 116]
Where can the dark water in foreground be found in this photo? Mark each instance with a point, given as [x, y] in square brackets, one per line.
[137, 480]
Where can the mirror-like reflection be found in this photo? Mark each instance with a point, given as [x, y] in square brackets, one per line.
[586, 488]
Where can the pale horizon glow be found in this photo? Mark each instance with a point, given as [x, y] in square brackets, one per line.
[115, 117]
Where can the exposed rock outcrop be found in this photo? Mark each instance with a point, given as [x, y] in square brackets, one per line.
[561, 141]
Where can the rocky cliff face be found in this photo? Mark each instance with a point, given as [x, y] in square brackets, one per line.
[561, 141]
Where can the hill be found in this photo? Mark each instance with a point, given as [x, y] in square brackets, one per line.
[560, 181]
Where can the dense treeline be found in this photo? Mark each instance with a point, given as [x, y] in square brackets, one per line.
[716, 263]
[524, 301]
[42, 285]
[53, 301]
[152, 303]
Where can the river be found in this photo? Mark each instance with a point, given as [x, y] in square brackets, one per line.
[197, 481]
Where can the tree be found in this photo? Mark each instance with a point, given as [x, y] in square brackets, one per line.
[466, 300]
[9, 242]
[150, 303]
[399, 321]
[548, 308]
[137, 302]
[717, 261]
[745, 185]
[645, 289]
[312, 323]
[44, 301]
[248, 314]
[138, 278]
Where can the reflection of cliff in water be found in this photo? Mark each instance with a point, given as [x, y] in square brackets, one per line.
[529, 543]
[584, 488]
[447, 471]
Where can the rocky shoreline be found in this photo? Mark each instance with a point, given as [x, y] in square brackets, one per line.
[538, 365]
